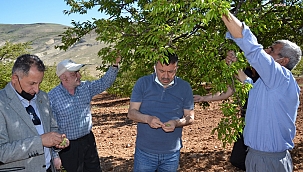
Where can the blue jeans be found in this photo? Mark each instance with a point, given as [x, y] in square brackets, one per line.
[149, 162]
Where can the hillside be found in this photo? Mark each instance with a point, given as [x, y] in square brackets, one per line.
[45, 37]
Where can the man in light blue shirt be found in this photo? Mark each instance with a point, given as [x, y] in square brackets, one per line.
[273, 101]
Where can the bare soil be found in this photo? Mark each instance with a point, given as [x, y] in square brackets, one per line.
[116, 134]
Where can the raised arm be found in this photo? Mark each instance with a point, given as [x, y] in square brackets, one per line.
[233, 25]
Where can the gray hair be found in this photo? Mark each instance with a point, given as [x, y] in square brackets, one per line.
[291, 51]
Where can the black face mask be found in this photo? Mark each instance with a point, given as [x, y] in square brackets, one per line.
[24, 94]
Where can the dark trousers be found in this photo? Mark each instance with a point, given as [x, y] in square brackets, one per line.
[81, 155]
[238, 153]
[49, 169]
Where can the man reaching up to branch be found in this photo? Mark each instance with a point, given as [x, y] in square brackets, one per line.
[70, 102]
[273, 101]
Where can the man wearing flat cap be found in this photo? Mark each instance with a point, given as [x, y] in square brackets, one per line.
[70, 103]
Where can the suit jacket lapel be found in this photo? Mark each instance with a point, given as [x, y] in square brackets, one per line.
[17, 106]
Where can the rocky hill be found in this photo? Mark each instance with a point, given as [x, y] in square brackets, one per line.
[45, 37]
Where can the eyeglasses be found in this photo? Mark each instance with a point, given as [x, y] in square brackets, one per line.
[31, 111]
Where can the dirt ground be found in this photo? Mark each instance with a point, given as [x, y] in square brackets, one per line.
[116, 134]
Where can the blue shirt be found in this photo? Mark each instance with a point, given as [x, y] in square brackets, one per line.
[72, 112]
[166, 104]
[273, 101]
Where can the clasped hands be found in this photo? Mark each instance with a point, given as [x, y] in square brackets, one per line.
[154, 122]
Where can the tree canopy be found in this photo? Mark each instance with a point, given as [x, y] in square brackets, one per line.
[141, 30]
[10, 51]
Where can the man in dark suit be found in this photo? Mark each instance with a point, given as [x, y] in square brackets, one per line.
[28, 130]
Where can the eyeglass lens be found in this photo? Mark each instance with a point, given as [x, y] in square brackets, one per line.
[31, 111]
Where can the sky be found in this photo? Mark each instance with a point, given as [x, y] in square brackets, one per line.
[41, 11]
